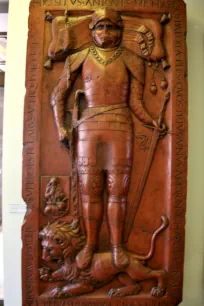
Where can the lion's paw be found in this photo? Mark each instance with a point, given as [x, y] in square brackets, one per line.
[45, 277]
[125, 291]
[60, 292]
[55, 293]
[45, 274]
[158, 292]
[114, 293]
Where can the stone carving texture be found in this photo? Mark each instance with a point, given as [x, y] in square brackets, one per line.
[55, 199]
[105, 150]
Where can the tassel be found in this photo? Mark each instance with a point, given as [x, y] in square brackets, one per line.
[48, 64]
[49, 17]
[165, 64]
[153, 88]
[164, 84]
[164, 19]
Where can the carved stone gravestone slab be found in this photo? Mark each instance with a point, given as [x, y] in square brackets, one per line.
[105, 153]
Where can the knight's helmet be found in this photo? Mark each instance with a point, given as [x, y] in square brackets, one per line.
[106, 13]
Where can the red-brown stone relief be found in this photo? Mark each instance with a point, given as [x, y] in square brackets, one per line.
[55, 198]
[105, 150]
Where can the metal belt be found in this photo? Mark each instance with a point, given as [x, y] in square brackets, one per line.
[102, 110]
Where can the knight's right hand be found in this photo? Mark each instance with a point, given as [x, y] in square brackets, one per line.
[63, 137]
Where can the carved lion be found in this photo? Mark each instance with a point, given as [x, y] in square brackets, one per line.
[61, 241]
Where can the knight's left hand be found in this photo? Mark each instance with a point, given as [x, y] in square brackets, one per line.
[162, 129]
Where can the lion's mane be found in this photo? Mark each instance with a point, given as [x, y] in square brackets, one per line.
[65, 234]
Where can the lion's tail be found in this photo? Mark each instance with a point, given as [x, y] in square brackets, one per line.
[165, 223]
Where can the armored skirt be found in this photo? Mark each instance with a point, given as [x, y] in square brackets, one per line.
[105, 140]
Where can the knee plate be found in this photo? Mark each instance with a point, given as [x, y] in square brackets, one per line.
[118, 183]
[91, 184]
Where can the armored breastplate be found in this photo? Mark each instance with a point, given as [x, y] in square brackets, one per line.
[105, 84]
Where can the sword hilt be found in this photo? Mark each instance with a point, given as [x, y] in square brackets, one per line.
[76, 105]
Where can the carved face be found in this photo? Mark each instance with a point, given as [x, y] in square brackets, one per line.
[52, 250]
[106, 34]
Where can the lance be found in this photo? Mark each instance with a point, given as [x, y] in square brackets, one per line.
[143, 180]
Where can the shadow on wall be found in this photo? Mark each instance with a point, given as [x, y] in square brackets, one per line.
[4, 9]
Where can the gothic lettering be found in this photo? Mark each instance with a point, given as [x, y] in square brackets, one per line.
[124, 3]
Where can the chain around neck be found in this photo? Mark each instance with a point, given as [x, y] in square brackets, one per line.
[103, 61]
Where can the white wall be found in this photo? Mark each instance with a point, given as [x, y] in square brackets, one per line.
[12, 159]
[12, 144]
[3, 22]
[194, 255]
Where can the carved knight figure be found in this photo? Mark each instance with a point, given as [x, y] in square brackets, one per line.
[105, 153]
[113, 84]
